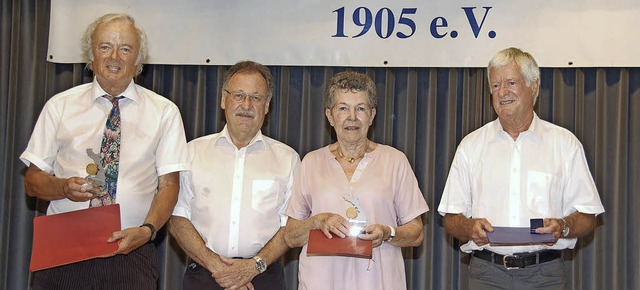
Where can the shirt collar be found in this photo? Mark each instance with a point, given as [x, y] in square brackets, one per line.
[534, 130]
[224, 138]
[130, 92]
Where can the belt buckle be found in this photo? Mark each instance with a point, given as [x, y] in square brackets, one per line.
[504, 262]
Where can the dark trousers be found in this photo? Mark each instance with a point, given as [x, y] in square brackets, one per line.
[197, 277]
[544, 276]
[136, 270]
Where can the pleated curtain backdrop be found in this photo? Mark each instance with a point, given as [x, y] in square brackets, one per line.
[423, 112]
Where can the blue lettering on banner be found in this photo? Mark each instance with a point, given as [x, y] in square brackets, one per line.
[405, 20]
[384, 23]
[475, 27]
[435, 24]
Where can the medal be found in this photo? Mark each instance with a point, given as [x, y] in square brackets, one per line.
[352, 212]
[356, 216]
[92, 169]
[95, 170]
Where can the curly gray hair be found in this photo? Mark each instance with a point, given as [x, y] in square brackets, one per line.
[350, 81]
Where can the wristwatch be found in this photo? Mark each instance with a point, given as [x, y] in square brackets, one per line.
[261, 265]
[153, 231]
[391, 235]
[565, 228]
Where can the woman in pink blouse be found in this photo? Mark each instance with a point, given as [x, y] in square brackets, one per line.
[355, 182]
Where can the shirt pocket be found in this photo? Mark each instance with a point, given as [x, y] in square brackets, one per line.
[264, 196]
[539, 192]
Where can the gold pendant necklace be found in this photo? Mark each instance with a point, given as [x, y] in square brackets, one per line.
[350, 160]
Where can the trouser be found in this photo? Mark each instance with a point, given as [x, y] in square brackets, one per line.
[136, 270]
[486, 275]
[197, 277]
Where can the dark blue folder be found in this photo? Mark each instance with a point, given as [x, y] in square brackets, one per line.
[517, 236]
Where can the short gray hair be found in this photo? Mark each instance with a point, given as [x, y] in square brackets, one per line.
[87, 45]
[528, 66]
[248, 66]
[350, 81]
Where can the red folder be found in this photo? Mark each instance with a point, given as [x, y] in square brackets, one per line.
[320, 245]
[75, 236]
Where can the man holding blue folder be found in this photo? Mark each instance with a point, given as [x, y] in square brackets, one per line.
[514, 169]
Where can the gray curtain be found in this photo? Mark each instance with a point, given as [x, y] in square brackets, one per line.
[424, 112]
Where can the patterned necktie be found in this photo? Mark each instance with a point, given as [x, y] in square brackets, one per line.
[110, 156]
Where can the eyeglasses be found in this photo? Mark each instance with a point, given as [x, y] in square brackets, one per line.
[240, 96]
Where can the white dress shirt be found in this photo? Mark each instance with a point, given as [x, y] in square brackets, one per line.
[236, 198]
[153, 143]
[542, 174]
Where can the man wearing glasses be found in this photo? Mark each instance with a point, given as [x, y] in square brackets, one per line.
[229, 215]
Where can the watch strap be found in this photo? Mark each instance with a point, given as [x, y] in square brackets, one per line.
[565, 228]
[392, 234]
[153, 231]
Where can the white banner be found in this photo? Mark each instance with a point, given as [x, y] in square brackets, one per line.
[374, 33]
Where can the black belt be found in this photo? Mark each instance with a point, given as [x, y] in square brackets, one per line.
[518, 260]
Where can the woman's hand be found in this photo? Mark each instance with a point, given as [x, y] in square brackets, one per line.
[297, 231]
[407, 235]
[374, 233]
[331, 223]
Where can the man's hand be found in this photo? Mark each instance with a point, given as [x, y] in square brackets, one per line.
[477, 229]
[77, 189]
[48, 187]
[237, 274]
[130, 239]
[466, 229]
[551, 226]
